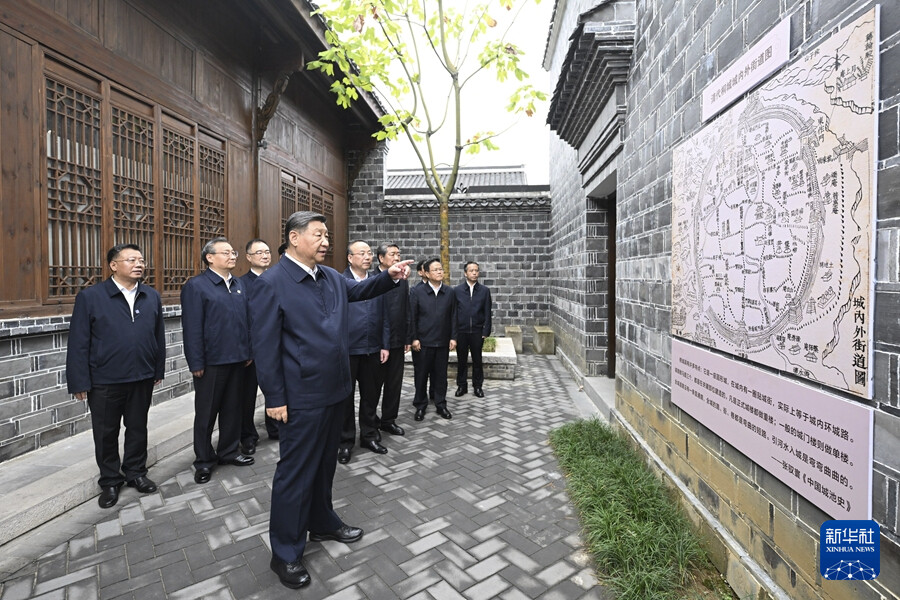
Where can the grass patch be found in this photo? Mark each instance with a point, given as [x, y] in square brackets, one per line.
[489, 345]
[643, 543]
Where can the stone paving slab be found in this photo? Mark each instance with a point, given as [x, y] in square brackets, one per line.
[474, 507]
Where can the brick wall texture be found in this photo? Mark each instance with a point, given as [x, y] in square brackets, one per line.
[511, 244]
[680, 46]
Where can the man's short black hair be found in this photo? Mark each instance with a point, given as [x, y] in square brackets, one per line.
[420, 265]
[299, 221]
[384, 247]
[253, 241]
[282, 248]
[429, 262]
[210, 247]
[471, 262]
[117, 249]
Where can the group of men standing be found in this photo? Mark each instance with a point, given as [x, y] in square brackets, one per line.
[303, 333]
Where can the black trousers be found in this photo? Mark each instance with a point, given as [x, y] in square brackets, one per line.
[249, 435]
[466, 342]
[392, 377]
[111, 405]
[304, 477]
[431, 364]
[217, 395]
[366, 370]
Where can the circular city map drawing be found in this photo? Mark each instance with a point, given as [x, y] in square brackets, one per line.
[772, 220]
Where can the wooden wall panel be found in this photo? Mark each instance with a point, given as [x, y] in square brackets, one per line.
[84, 14]
[18, 183]
[130, 33]
[242, 218]
[222, 93]
[269, 193]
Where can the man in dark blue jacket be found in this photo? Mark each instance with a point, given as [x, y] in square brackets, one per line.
[116, 353]
[369, 343]
[260, 257]
[301, 339]
[432, 333]
[215, 322]
[396, 313]
[473, 317]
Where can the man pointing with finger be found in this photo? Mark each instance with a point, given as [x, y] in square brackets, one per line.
[300, 334]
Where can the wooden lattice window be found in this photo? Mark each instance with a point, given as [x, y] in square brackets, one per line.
[179, 216]
[294, 196]
[74, 192]
[212, 192]
[134, 209]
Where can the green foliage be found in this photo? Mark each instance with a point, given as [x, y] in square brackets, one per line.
[489, 345]
[393, 46]
[642, 541]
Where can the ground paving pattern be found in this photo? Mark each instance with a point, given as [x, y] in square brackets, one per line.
[474, 507]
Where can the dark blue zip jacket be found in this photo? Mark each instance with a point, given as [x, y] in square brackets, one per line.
[107, 346]
[370, 332]
[473, 313]
[301, 337]
[215, 321]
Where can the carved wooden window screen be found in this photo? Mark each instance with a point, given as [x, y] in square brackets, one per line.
[212, 192]
[134, 209]
[179, 216]
[294, 196]
[134, 176]
[74, 193]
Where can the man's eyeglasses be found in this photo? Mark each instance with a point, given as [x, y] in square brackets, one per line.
[369, 253]
[131, 261]
[232, 254]
[260, 253]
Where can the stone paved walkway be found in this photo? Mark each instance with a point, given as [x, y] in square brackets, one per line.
[474, 507]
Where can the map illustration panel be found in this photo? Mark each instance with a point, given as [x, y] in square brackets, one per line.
[773, 211]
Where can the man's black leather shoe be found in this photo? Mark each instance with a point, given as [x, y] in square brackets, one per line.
[420, 414]
[479, 393]
[374, 446]
[343, 455]
[344, 534]
[460, 391]
[291, 574]
[109, 496]
[202, 475]
[393, 429]
[249, 448]
[143, 485]
[442, 410]
[239, 461]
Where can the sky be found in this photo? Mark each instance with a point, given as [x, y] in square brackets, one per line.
[525, 142]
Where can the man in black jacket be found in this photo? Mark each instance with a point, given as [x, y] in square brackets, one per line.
[396, 312]
[115, 355]
[432, 333]
[473, 316]
[216, 328]
[260, 257]
[369, 348]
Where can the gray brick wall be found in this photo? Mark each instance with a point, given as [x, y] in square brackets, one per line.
[681, 45]
[35, 407]
[510, 244]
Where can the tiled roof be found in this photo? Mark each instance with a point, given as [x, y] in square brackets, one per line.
[397, 180]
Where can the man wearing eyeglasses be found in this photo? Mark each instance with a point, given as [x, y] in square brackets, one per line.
[396, 312]
[369, 348]
[260, 257]
[432, 333]
[116, 353]
[216, 326]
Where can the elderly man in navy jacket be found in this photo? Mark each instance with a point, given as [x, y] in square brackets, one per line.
[432, 334]
[396, 313]
[369, 348]
[301, 339]
[116, 353]
[473, 317]
[214, 318]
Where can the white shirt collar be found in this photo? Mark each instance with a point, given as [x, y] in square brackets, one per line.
[313, 272]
